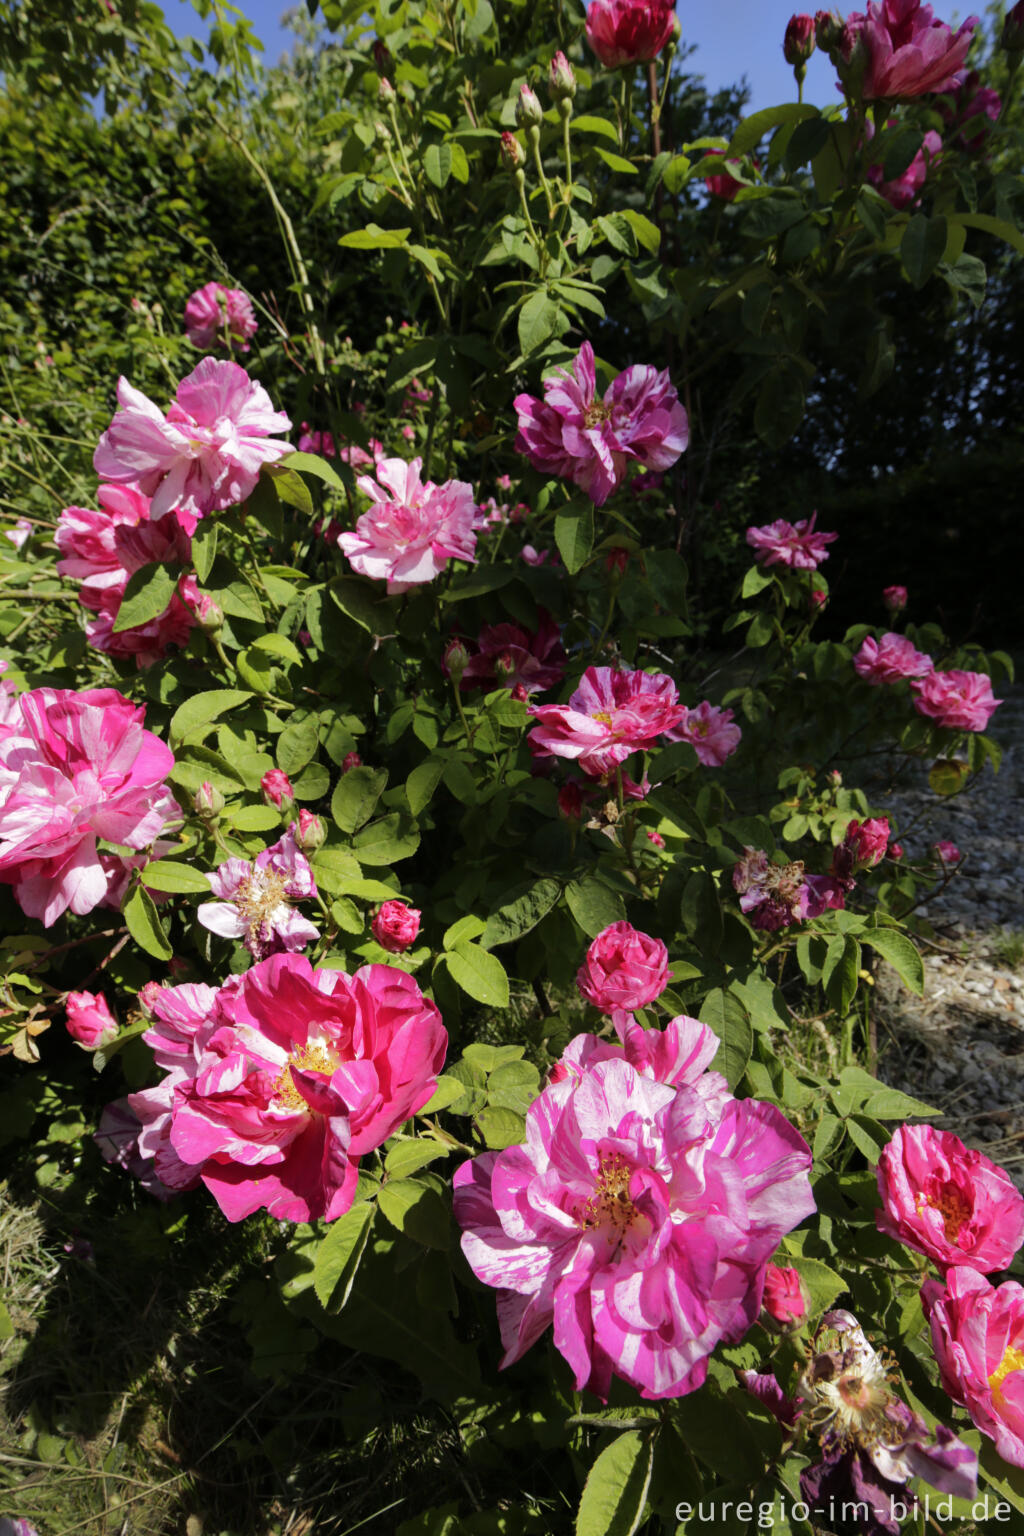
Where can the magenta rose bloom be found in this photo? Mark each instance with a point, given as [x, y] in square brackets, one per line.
[624, 969]
[593, 442]
[413, 528]
[213, 310]
[291, 1076]
[722, 183]
[947, 853]
[206, 453]
[89, 1020]
[711, 733]
[256, 900]
[640, 1214]
[863, 846]
[960, 701]
[907, 52]
[890, 660]
[906, 188]
[627, 32]
[277, 788]
[784, 1299]
[610, 716]
[947, 1201]
[508, 655]
[395, 926]
[76, 767]
[796, 545]
[978, 1339]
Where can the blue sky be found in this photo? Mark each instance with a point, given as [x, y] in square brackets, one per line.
[733, 37]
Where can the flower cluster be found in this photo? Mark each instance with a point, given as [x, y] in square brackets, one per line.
[413, 528]
[592, 442]
[640, 1214]
[279, 1081]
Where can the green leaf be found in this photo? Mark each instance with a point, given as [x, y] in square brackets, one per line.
[615, 1493]
[574, 534]
[407, 1157]
[513, 1085]
[479, 973]
[254, 818]
[313, 464]
[601, 125]
[291, 488]
[807, 140]
[593, 905]
[538, 321]
[356, 601]
[648, 235]
[922, 247]
[144, 924]
[422, 782]
[726, 1015]
[335, 869]
[437, 162]
[355, 796]
[6, 1324]
[204, 548]
[500, 1127]
[841, 973]
[890, 1104]
[147, 595]
[194, 718]
[417, 1209]
[781, 403]
[373, 238]
[822, 1284]
[901, 954]
[338, 1255]
[753, 129]
[297, 744]
[168, 875]
[998, 227]
[615, 162]
[447, 1091]
[387, 841]
[518, 911]
[948, 776]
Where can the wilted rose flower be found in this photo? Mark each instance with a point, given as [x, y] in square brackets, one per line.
[206, 453]
[872, 1443]
[796, 545]
[395, 926]
[765, 1389]
[711, 733]
[775, 896]
[280, 1082]
[784, 1299]
[413, 528]
[592, 442]
[959, 701]
[256, 900]
[948, 1201]
[627, 32]
[906, 52]
[978, 1339]
[624, 969]
[611, 715]
[89, 1020]
[635, 1160]
[76, 767]
[214, 310]
[892, 659]
[277, 788]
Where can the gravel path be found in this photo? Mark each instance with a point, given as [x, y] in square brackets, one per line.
[961, 1047]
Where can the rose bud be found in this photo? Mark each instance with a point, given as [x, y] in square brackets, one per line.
[529, 112]
[520, 694]
[895, 599]
[896, 851]
[799, 42]
[351, 760]
[382, 60]
[616, 562]
[89, 1020]
[784, 1299]
[386, 93]
[277, 789]
[947, 853]
[570, 801]
[561, 80]
[513, 155]
[309, 832]
[395, 927]
[207, 802]
[148, 994]
[209, 615]
[455, 659]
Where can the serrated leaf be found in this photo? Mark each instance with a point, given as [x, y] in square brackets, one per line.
[147, 595]
[574, 535]
[144, 924]
[297, 744]
[500, 1127]
[519, 911]
[169, 875]
[417, 1209]
[726, 1015]
[479, 973]
[387, 840]
[197, 714]
[422, 782]
[204, 548]
[821, 1283]
[615, 1493]
[338, 1255]
[447, 1091]
[593, 905]
[538, 320]
[355, 796]
[437, 162]
[901, 954]
[408, 1157]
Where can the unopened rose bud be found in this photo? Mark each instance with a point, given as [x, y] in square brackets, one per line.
[561, 80]
[570, 801]
[835, 778]
[947, 853]
[209, 615]
[455, 660]
[656, 838]
[895, 599]
[504, 666]
[529, 112]
[1013, 32]
[827, 28]
[520, 694]
[616, 562]
[351, 760]
[513, 155]
[799, 42]
[818, 599]
[785, 1301]
[851, 59]
[896, 851]
[386, 93]
[207, 802]
[381, 132]
[277, 789]
[382, 60]
[309, 832]
[148, 994]
[89, 1020]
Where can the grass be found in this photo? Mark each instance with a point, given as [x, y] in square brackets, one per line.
[1008, 948]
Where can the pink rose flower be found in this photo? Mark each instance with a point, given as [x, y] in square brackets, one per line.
[20, 533]
[611, 715]
[277, 788]
[283, 1079]
[89, 1020]
[656, 839]
[508, 654]
[323, 443]
[626, 32]
[895, 599]
[213, 310]
[775, 896]
[947, 1201]
[796, 545]
[892, 659]
[947, 853]
[978, 1339]
[784, 1298]
[863, 846]
[907, 52]
[256, 900]
[104, 549]
[959, 701]
[75, 767]
[206, 453]
[395, 926]
[722, 183]
[906, 188]
[624, 969]
[639, 1215]
[351, 760]
[592, 442]
[710, 732]
[413, 528]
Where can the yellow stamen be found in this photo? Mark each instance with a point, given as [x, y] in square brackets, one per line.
[597, 413]
[603, 716]
[953, 1206]
[308, 1058]
[610, 1201]
[1013, 1360]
